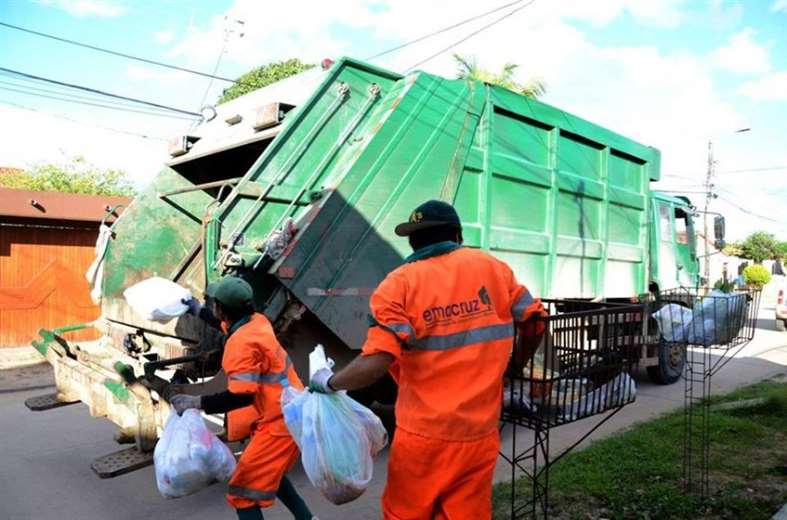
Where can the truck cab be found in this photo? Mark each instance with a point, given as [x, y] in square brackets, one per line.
[673, 243]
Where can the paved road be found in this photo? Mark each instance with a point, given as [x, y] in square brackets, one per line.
[45, 457]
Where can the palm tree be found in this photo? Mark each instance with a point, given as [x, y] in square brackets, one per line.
[468, 69]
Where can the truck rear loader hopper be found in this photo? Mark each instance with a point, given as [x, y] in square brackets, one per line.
[565, 202]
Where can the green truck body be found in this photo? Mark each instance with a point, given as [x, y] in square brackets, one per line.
[568, 204]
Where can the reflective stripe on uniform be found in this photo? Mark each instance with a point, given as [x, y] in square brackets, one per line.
[519, 306]
[464, 338]
[397, 328]
[251, 494]
[266, 378]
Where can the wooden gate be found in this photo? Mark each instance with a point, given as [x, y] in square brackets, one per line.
[42, 281]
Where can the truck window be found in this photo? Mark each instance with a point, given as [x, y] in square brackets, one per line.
[665, 215]
[682, 228]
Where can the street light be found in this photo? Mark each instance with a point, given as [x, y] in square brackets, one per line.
[708, 195]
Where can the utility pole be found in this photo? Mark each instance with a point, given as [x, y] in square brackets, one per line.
[708, 196]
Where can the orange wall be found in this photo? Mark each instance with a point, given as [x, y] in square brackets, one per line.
[42, 282]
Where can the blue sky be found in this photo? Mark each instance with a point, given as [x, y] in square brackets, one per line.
[670, 73]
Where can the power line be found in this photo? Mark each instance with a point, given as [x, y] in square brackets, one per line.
[100, 92]
[84, 123]
[748, 170]
[726, 172]
[31, 89]
[99, 105]
[444, 29]
[115, 53]
[477, 31]
[748, 212]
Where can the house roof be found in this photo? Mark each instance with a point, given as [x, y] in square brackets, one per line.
[52, 205]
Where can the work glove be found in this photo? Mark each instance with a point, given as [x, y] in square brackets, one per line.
[183, 402]
[321, 381]
[193, 304]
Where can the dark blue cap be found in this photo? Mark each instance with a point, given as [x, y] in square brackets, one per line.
[430, 214]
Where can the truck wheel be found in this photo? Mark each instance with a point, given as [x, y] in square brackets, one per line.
[781, 325]
[672, 358]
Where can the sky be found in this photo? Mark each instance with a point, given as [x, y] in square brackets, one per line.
[672, 74]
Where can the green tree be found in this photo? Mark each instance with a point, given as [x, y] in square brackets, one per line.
[759, 246]
[756, 276]
[781, 250]
[76, 176]
[733, 249]
[262, 76]
[469, 69]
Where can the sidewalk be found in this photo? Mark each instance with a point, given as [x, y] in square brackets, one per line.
[18, 357]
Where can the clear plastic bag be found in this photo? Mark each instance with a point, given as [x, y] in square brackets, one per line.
[337, 437]
[717, 318]
[189, 456]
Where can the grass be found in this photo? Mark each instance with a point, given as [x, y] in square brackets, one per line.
[638, 473]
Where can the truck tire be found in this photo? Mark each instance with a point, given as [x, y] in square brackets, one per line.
[781, 325]
[672, 359]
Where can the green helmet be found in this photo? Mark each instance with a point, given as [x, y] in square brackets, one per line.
[231, 291]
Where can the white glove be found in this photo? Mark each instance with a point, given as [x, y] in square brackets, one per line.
[183, 402]
[321, 381]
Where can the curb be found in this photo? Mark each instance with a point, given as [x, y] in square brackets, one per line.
[18, 357]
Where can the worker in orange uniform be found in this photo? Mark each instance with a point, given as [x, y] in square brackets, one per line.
[257, 369]
[443, 323]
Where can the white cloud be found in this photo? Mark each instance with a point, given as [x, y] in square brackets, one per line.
[164, 37]
[143, 73]
[83, 8]
[743, 54]
[39, 137]
[772, 87]
[779, 6]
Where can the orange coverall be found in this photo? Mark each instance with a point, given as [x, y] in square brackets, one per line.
[449, 322]
[255, 363]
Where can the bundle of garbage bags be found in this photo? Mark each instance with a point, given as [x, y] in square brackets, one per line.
[713, 320]
[338, 438]
[189, 456]
[566, 394]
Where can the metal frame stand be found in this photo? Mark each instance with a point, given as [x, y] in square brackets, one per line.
[696, 416]
[698, 375]
[535, 464]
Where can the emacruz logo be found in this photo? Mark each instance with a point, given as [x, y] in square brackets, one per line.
[459, 309]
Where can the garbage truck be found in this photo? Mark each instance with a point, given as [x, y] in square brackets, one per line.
[297, 187]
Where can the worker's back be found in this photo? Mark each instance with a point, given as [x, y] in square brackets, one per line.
[256, 363]
[450, 373]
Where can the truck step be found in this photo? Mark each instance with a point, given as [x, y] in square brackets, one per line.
[40, 403]
[121, 462]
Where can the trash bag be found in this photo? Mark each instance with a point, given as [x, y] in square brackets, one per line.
[673, 321]
[717, 318]
[189, 456]
[157, 299]
[337, 437]
[620, 390]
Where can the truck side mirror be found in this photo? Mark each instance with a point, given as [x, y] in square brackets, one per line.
[718, 227]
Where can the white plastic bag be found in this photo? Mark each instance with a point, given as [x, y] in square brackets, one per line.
[157, 299]
[618, 391]
[189, 456]
[337, 437]
[717, 318]
[674, 320]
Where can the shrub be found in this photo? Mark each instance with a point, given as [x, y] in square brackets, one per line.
[756, 276]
